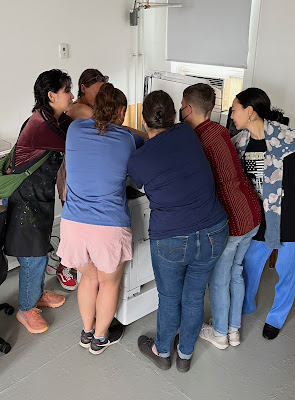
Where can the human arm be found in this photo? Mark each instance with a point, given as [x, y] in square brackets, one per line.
[139, 140]
[132, 172]
[61, 182]
[80, 111]
[137, 131]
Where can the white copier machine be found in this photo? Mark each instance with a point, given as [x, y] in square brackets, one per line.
[138, 292]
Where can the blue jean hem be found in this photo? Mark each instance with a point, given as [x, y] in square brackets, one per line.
[182, 355]
[164, 355]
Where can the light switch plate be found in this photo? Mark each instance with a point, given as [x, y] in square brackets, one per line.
[63, 50]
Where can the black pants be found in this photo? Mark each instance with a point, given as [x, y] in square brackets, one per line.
[3, 262]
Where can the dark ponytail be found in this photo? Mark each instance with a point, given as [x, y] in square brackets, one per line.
[260, 102]
[277, 114]
[106, 106]
[158, 110]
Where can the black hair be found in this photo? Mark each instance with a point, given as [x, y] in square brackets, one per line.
[260, 102]
[200, 95]
[158, 110]
[49, 81]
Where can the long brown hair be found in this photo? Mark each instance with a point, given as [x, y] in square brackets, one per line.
[89, 77]
[106, 106]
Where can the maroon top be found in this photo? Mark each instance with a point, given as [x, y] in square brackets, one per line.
[41, 132]
[234, 190]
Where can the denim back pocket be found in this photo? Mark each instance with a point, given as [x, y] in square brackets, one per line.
[173, 249]
[218, 240]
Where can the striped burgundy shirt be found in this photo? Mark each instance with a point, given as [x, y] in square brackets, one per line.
[234, 190]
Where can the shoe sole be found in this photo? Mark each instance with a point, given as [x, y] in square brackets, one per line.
[234, 344]
[43, 304]
[269, 338]
[105, 347]
[84, 345]
[182, 369]
[96, 352]
[26, 325]
[65, 286]
[219, 346]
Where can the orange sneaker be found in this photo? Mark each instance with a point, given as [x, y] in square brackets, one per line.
[32, 320]
[50, 299]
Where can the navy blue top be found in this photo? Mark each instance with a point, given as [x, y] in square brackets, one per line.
[178, 182]
[96, 168]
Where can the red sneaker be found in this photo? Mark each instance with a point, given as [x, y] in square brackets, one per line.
[66, 279]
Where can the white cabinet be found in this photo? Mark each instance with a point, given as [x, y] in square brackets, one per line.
[138, 294]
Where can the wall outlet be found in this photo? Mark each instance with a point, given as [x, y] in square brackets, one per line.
[63, 50]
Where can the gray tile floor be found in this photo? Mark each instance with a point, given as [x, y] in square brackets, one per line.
[53, 365]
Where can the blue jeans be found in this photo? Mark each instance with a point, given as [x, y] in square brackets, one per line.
[254, 262]
[31, 281]
[226, 284]
[182, 267]
[31, 278]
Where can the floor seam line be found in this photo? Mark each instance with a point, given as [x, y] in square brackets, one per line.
[243, 379]
[36, 370]
[147, 364]
[56, 330]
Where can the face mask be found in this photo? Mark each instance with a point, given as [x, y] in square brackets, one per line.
[180, 115]
[181, 119]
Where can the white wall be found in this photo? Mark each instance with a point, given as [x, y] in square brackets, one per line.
[271, 54]
[98, 34]
[274, 69]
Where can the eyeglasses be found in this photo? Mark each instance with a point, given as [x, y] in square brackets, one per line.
[101, 78]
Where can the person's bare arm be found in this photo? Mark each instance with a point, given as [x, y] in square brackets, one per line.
[140, 133]
[79, 110]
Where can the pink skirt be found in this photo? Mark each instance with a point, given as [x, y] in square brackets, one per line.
[105, 246]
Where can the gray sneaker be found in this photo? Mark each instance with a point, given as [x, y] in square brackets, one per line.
[221, 342]
[115, 334]
[86, 338]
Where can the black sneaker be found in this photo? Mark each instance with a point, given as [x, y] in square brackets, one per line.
[181, 364]
[115, 334]
[86, 338]
[270, 332]
[145, 345]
